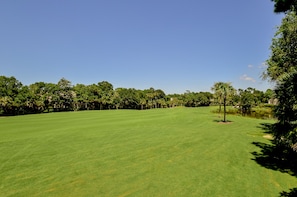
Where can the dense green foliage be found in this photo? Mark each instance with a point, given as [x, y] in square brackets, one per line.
[284, 5]
[250, 98]
[282, 61]
[16, 98]
[282, 70]
[160, 152]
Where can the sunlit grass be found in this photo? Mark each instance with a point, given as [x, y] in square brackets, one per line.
[164, 152]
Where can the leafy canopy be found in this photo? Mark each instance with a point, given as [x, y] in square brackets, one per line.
[284, 5]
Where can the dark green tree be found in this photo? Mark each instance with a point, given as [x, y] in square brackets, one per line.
[282, 70]
[105, 93]
[196, 99]
[268, 96]
[284, 5]
[66, 95]
[36, 99]
[82, 95]
[11, 101]
[247, 101]
[127, 98]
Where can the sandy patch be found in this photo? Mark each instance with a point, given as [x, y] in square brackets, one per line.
[268, 136]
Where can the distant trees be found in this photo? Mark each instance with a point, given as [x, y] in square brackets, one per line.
[15, 98]
[12, 95]
[251, 97]
[246, 101]
[39, 97]
[196, 99]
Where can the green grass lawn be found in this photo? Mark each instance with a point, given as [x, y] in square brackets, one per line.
[162, 152]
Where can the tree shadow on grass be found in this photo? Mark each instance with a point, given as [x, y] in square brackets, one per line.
[291, 193]
[267, 127]
[222, 122]
[276, 157]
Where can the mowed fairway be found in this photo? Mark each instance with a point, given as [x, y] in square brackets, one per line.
[163, 152]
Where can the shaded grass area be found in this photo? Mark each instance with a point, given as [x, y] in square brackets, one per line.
[164, 152]
[276, 157]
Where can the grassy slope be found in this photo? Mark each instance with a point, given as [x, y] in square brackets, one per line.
[170, 152]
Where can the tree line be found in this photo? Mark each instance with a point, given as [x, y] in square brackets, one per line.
[16, 98]
[39, 97]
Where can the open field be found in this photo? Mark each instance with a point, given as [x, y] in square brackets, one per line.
[163, 152]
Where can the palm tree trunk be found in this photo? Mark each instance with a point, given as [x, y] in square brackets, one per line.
[220, 106]
[224, 109]
[220, 109]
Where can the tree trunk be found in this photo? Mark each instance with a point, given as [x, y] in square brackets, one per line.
[220, 109]
[224, 110]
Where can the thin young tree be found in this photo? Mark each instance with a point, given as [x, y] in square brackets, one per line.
[216, 88]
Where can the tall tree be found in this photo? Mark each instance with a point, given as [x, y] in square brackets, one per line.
[282, 69]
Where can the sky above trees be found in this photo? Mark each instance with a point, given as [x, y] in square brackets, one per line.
[170, 45]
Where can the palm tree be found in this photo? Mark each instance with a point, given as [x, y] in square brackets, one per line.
[218, 93]
[223, 91]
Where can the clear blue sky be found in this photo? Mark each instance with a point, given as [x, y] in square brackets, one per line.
[173, 45]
